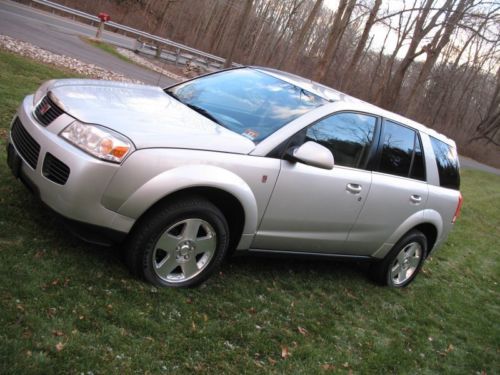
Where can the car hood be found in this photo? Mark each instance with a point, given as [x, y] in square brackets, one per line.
[146, 115]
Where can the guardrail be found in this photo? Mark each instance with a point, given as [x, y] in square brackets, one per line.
[176, 52]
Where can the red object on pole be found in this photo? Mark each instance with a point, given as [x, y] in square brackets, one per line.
[105, 17]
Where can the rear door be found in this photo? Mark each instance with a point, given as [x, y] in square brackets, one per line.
[313, 209]
[399, 189]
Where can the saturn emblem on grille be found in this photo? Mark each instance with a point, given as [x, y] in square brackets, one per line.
[44, 108]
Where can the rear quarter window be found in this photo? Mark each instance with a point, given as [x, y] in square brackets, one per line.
[447, 164]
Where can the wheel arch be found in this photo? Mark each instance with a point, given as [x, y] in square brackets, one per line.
[430, 232]
[229, 205]
[429, 222]
[221, 187]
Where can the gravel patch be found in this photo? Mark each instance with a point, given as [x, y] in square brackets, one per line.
[39, 54]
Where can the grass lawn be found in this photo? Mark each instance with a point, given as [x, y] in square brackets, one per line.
[106, 47]
[70, 307]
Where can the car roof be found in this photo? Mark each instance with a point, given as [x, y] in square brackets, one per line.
[333, 95]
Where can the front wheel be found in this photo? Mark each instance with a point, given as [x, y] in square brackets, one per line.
[179, 244]
[404, 261]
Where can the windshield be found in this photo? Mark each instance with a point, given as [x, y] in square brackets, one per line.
[246, 101]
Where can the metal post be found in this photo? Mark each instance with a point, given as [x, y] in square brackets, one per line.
[100, 29]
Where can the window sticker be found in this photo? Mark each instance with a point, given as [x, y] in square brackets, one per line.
[250, 134]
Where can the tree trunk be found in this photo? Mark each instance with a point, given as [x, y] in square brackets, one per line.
[304, 31]
[336, 32]
[347, 79]
[239, 32]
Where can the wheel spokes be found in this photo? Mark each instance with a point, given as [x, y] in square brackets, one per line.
[190, 230]
[206, 244]
[167, 242]
[167, 265]
[189, 268]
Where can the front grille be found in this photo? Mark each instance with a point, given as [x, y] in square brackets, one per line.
[47, 111]
[55, 170]
[25, 144]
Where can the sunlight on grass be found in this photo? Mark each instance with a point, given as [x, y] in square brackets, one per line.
[70, 307]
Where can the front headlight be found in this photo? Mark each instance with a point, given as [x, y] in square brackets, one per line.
[98, 141]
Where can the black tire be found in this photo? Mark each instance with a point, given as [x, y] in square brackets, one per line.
[169, 222]
[385, 272]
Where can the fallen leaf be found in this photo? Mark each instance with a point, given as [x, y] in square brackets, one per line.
[345, 364]
[284, 352]
[328, 367]
[205, 317]
[57, 333]
[193, 326]
[59, 346]
[258, 363]
[302, 331]
[271, 361]
[39, 254]
[450, 349]
[350, 294]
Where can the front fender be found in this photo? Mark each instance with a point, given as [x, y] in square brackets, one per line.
[188, 176]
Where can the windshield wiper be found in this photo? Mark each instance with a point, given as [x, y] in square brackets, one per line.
[204, 112]
[194, 107]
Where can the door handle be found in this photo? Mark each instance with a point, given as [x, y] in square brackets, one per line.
[415, 198]
[354, 188]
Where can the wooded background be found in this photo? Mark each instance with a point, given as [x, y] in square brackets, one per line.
[435, 61]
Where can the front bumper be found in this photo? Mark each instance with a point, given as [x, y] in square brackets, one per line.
[79, 197]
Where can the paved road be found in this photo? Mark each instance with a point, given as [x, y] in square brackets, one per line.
[61, 36]
[466, 162]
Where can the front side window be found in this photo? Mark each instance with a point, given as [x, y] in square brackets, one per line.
[447, 163]
[246, 101]
[347, 135]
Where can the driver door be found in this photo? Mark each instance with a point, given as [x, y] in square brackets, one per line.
[313, 209]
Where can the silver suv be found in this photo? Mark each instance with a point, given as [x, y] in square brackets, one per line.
[247, 159]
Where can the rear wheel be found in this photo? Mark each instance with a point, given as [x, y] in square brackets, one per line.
[179, 244]
[404, 261]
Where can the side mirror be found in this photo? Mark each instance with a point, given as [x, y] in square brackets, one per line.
[312, 153]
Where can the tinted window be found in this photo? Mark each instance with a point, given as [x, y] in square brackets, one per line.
[397, 149]
[347, 135]
[447, 163]
[418, 165]
[246, 101]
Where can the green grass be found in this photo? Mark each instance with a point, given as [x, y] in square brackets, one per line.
[69, 307]
[106, 47]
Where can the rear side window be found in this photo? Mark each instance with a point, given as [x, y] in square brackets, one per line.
[347, 135]
[447, 164]
[401, 152]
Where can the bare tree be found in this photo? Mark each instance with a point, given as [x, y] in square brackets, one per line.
[337, 30]
[239, 32]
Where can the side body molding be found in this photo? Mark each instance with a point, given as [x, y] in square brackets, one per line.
[189, 176]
